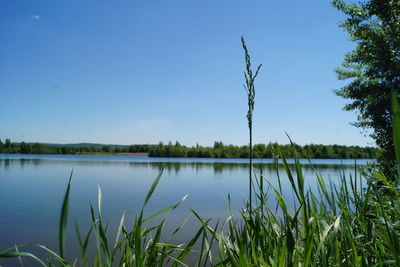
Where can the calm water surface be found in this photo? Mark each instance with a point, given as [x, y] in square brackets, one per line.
[32, 188]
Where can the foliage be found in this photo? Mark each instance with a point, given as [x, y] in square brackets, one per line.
[218, 150]
[355, 223]
[373, 67]
[37, 148]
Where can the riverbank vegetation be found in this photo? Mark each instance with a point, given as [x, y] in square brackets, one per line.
[218, 150]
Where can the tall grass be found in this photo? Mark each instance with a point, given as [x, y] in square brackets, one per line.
[353, 223]
[139, 246]
[251, 93]
[347, 224]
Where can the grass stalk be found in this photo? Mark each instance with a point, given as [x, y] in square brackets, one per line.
[250, 90]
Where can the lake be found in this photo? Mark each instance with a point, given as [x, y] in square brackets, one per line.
[32, 188]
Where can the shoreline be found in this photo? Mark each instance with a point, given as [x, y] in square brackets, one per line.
[137, 154]
[143, 154]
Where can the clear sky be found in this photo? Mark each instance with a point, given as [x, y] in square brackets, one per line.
[125, 71]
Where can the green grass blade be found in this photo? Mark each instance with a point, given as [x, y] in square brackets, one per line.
[396, 127]
[99, 199]
[19, 258]
[121, 224]
[153, 187]
[165, 209]
[64, 217]
[21, 254]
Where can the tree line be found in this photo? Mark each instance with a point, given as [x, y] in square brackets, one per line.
[218, 150]
[37, 148]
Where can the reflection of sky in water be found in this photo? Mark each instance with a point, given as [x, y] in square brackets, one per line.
[32, 189]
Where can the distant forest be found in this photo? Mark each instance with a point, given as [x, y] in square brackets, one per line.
[219, 150]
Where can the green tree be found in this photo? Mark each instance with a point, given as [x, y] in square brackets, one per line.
[36, 149]
[106, 148]
[24, 148]
[218, 145]
[8, 143]
[373, 67]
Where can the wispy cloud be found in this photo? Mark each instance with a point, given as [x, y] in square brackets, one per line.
[36, 17]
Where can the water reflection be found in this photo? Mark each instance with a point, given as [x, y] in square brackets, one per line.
[170, 167]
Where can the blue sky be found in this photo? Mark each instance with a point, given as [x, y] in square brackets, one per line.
[126, 71]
